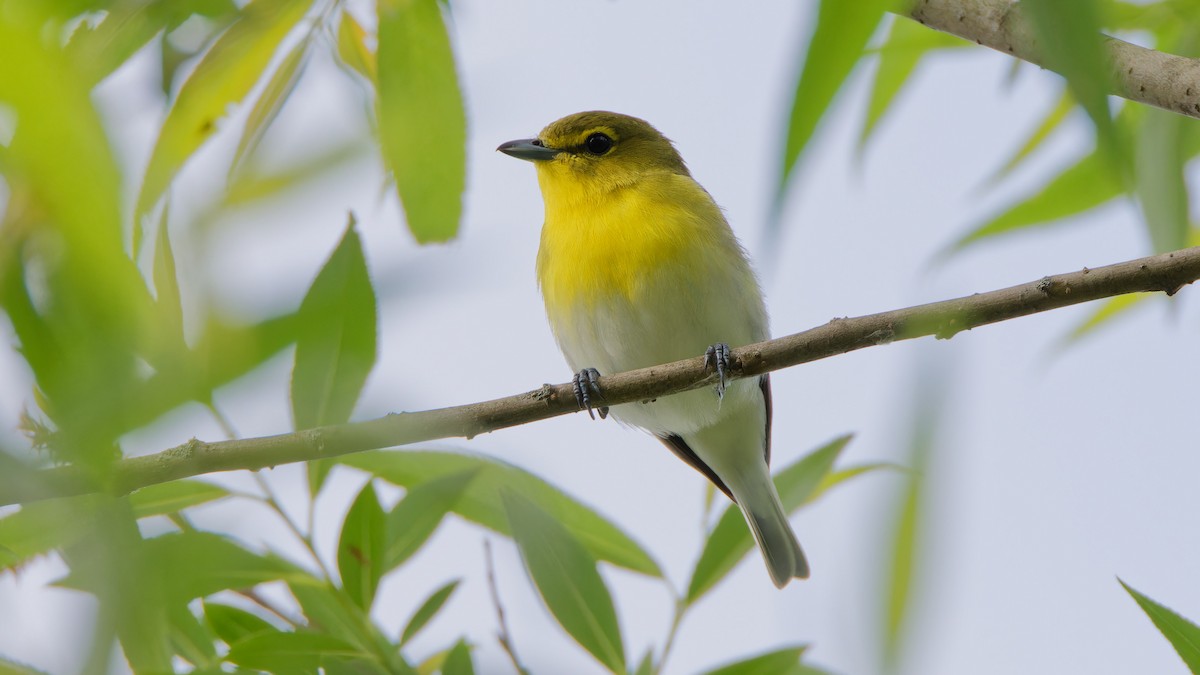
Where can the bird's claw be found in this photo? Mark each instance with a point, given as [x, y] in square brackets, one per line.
[584, 383]
[717, 357]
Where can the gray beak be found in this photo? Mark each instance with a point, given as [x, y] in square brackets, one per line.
[530, 149]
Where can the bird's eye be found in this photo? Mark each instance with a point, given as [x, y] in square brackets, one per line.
[598, 144]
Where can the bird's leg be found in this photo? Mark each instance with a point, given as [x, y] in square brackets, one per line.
[717, 357]
[585, 382]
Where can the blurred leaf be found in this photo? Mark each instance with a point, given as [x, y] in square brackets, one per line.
[331, 611]
[223, 77]
[566, 577]
[427, 611]
[1183, 635]
[1108, 310]
[414, 518]
[168, 303]
[232, 624]
[352, 48]
[1159, 161]
[907, 43]
[10, 667]
[173, 497]
[422, 124]
[1071, 44]
[198, 564]
[482, 504]
[279, 88]
[299, 652]
[1049, 123]
[336, 347]
[255, 184]
[361, 548]
[646, 665]
[191, 639]
[458, 660]
[730, 539]
[779, 662]
[1081, 187]
[841, 33]
[40, 527]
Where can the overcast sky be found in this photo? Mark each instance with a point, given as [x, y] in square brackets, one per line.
[1055, 472]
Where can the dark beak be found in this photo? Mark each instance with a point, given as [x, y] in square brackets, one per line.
[530, 149]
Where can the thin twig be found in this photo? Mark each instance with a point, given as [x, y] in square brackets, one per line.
[1167, 273]
[502, 634]
[305, 539]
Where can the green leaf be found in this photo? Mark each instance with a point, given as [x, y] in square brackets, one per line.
[223, 77]
[1159, 161]
[779, 662]
[427, 611]
[232, 624]
[414, 518]
[168, 304]
[482, 503]
[299, 652]
[646, 665]
[458, 660]
[173, 497]
[1183, 635]
[422, 123]
[10, 667]
[1109, 309]
[361, 548]
[1083, 186]
[1052, 121]
[566, 577]
[730, 540]
[40, 527]
[332, 612]
[198, 564]
[907, 43]
[336, 347]
[352, 48]
[191, 639]
[279, 88]
[1071, 44]
[841, 33]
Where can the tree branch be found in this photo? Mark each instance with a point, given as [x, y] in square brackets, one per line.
[1168, 273]
[1138, 74]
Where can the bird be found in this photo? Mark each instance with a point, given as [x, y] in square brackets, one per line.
[638, 266]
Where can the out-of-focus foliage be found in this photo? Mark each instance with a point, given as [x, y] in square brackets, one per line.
[116, 337]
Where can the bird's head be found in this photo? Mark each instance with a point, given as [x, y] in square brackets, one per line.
[589, 154]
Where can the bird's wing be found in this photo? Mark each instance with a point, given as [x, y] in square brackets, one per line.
[684, 452]
[764, 383]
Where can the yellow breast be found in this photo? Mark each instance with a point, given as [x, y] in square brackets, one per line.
[597, 247]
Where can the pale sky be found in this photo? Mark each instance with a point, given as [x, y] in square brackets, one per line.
[1056, 472]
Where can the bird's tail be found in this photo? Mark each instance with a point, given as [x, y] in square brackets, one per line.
[769, 524]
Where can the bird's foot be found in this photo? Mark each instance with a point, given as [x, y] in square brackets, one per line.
[585, 383]
[717, 358]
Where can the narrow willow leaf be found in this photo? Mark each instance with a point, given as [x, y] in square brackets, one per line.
[481, 503]
[1183, 635]
[203, 563]
[299, 652]
[173, 497]
[336, 348]
[414, 519]
[646, 665]
[352, 48]
[40, 527]
[778, 662]
[233, 624]
[10, 667]
[279, 88]
[566, 577]
[1069, 38]
[730, 540]
[841, 33]
[361, 548]
[422, 122]
[458, 660]
[223, 77]
[330, 610]
[1109, 309]
[1083, 186]
[168, 304]
[427, 611]
[190, 638]
[1052, 121]
[1159, 162]
[907, 43]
